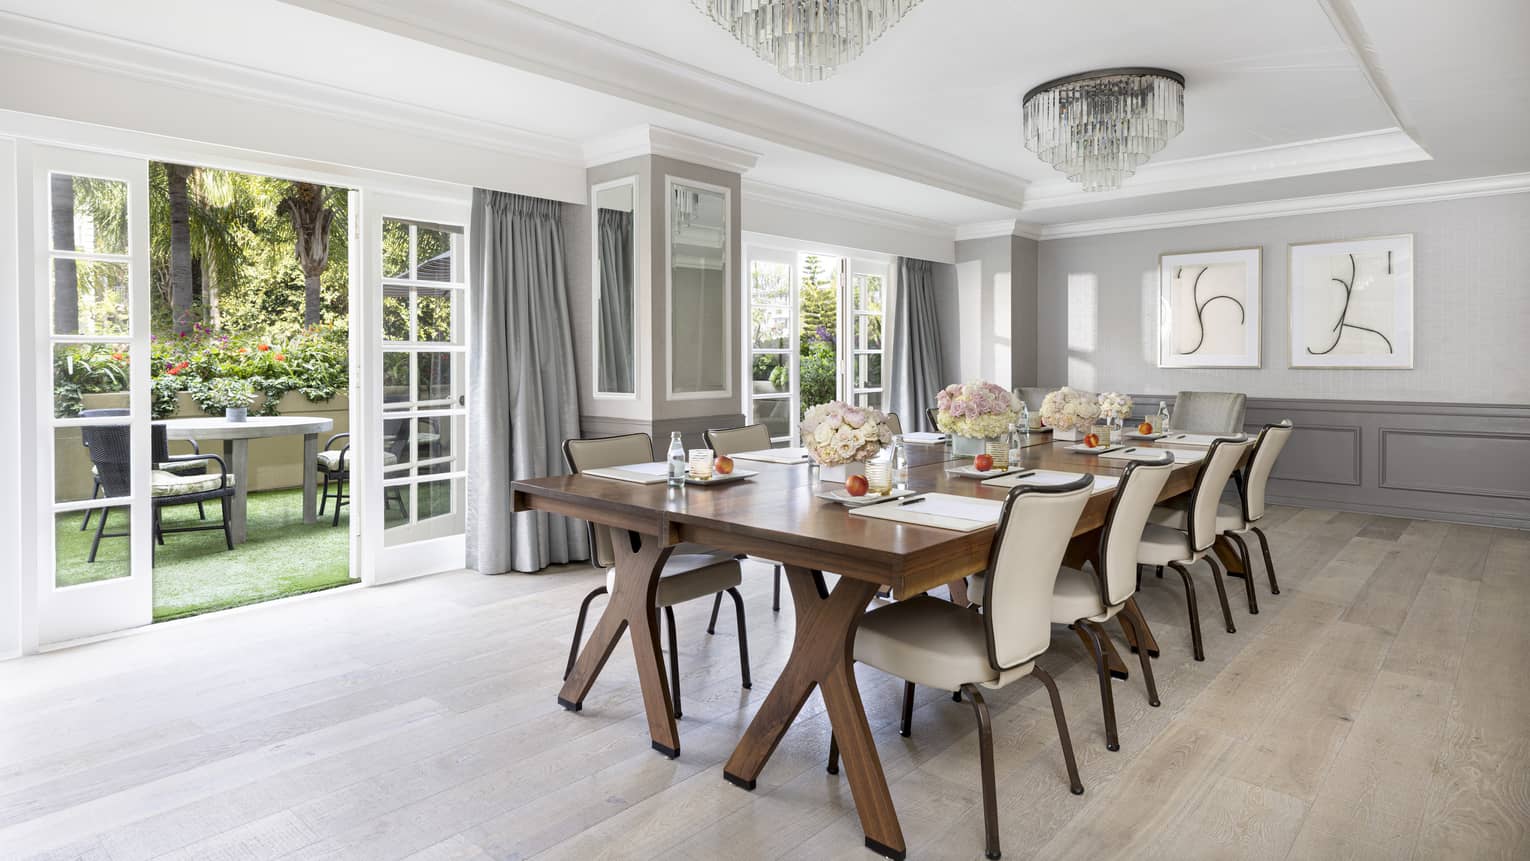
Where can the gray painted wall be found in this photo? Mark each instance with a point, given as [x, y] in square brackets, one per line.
[1096, 324]
[1024, 255]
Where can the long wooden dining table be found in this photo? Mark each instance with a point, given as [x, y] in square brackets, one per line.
[776, 516]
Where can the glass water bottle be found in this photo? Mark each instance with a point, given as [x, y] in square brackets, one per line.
[677, 464]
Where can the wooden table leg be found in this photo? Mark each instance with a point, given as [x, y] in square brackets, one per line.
[1142, 630]
[1229, 557]
[237, 453]
[958, 590]
[310, 477]
[1112, 657]
[823, 656]
[639, 561]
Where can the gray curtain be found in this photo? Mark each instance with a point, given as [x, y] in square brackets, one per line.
[523, 401]
[616, 298]
[915, 350]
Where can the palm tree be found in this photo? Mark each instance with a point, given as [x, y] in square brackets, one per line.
[181, 287]
[311, 217]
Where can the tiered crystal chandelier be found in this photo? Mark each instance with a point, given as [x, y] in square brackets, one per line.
[806, 40]
[1098, 127]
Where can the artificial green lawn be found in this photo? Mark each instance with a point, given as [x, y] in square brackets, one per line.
[194, 572]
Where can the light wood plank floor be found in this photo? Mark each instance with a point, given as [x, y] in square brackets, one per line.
[1379, 707]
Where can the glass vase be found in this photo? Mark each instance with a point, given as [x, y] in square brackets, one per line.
[998, 449]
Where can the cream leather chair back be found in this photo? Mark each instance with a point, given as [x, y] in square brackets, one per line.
[735, 440]
[894, 424]
[1221, 459]
[1261, 463]
[583, 454]
[1033, 533]
[1138, 491]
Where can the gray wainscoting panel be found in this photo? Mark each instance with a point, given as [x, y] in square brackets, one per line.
[1466, 463]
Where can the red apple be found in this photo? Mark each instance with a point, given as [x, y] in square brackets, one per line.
[983, 462]
[723, 465]
[1145, 428]
[1092, 441]
[856, 485]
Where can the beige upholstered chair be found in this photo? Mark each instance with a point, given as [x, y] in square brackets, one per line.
[754, 437]
[1083, 600]
[894, 424]
[691, 571]
[1236, 520]
[935, 643]
[1166, 545]
[933, 414]
[1208, 412]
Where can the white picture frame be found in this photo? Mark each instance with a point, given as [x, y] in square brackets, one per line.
[1209, 309]
[1351, 303]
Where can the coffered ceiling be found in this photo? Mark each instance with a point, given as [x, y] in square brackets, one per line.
[1283, 99]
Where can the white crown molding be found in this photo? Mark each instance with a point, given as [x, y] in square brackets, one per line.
[1002, 227]
[1488, 186]
[1346, 23]
[654, 140]
[31, 37]
[805, 201]
[525, 39]
[1302, 158]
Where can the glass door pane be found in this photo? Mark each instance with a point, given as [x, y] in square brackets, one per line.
[772, 371]
[818, 303]
[91, 265]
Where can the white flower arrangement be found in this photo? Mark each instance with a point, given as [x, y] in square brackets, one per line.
[1069, 409]
[1114, 405]
[977, 410]
[837, 433]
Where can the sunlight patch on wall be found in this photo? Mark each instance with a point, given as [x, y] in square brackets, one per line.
[1083, 329]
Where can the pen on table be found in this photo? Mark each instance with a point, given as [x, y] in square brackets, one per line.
[912, 501]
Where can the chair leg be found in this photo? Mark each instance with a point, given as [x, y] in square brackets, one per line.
[1074, 784]
[775, 601]
[674, 660]
[1160, 571]
[95, 543]
[716, 605]
[159, 532]
[1129, 622]
[1248, 571]
[1269, 565]
[228, 525]
[1195, 612]
[1102, 669]
[906, 728]
[833, 767]
[95, 491]
[1216, 577]
[324, 493]
[339, 490]
[584, 609]
[743, 635]
[985, 761]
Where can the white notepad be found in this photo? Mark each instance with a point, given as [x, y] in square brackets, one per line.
[1155, 454]
[637, 473]
[940, 510]
[925, 437]
[1203, 440]
[1052, 478]
[773, 455]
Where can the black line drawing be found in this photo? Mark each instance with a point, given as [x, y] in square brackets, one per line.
[1339, 327]
[1200, 307]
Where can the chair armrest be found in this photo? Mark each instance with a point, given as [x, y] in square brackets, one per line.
[222, 466]
[331, 441]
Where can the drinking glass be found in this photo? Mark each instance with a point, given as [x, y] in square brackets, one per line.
[701, 464]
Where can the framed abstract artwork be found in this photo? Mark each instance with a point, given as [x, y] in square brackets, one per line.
[1352, 303]
[1208, 309]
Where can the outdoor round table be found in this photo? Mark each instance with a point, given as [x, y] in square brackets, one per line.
[236, 438]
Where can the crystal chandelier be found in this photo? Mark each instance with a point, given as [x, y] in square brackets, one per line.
[1097, 127]
[806, 40]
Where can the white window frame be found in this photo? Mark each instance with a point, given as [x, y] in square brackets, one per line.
[669, 296]
[639, 352]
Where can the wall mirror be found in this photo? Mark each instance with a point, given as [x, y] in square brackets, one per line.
[700, 329]
[613, 206]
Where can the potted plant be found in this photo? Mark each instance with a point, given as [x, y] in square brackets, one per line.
[837, 434]
[975, 414]
[229, 398]
[1069, 413]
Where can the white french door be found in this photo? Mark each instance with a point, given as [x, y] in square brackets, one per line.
[89, 243]
[813, 333]
[413, 449]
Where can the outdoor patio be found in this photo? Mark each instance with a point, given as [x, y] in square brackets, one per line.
[196, 573]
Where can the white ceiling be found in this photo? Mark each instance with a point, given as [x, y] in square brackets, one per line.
[1283, 99]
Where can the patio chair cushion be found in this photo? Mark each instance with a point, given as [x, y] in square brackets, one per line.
[183, 467]
[162, 483]
[329, 461]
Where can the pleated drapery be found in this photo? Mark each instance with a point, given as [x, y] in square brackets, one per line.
[614, 235]
[523, 395]
[914, 349]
